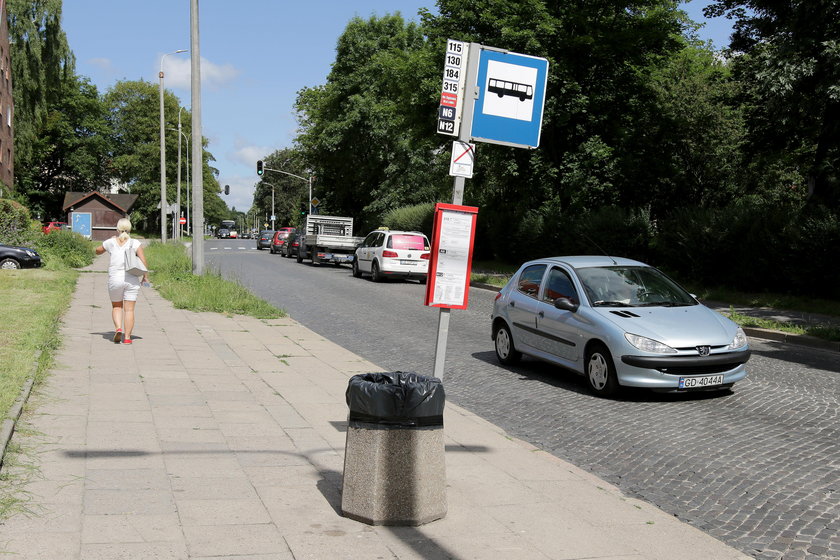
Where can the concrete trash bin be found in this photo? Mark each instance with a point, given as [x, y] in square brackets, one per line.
[394, 467]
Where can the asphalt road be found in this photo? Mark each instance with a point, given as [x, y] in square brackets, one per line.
[758, 467]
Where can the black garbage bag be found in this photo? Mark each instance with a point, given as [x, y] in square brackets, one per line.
[398, 399]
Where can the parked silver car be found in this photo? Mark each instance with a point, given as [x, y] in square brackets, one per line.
[619, 322]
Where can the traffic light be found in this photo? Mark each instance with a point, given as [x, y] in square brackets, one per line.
[227, 189]
[259, 167]
[303, 209]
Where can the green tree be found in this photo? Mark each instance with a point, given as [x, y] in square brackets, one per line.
[599, 101]
[368, 133]
[134, 115]
[790, 70]
[71, 151]
[42, 64]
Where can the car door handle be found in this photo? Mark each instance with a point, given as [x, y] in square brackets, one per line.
[512, 304]
[541, 314]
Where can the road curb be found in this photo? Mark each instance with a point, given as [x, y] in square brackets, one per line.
[799, 339]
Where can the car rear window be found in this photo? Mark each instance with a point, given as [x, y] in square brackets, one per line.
[408, 242]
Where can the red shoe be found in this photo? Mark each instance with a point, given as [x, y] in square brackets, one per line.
[127, 341]
[118, 336]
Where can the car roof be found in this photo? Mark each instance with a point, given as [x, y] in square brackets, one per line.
[587, 261]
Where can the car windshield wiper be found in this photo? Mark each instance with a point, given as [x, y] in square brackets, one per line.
[612, 304]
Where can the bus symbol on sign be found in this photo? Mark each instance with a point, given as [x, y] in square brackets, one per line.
[502, 88]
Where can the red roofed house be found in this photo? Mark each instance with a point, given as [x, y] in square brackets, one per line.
[97, 214]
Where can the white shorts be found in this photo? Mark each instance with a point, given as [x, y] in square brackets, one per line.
[123, 287]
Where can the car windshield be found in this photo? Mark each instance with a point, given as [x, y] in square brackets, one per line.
[632, 286]
[408, 242]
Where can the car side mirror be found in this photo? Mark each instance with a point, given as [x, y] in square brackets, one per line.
[566, 304]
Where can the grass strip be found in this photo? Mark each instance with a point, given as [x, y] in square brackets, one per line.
[31, 304]
[173, 277]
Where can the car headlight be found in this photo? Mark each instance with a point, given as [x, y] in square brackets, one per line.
[31, 253]
[739, 341]
[648, 344]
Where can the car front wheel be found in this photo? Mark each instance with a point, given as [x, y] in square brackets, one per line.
[505, 351]
[600, 371]
[9, 264]
[356, 272]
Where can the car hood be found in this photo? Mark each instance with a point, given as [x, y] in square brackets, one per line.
[678, 327]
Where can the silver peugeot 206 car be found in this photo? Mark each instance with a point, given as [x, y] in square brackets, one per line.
[619, 322]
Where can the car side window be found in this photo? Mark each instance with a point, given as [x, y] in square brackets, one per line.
[379, 240]
[559, 285]
[530, 280]
[368, 242]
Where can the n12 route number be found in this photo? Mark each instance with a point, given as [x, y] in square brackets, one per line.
[447, 127]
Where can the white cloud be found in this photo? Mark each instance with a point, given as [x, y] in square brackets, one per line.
[248, 155]
[178, 69]
[104, 64]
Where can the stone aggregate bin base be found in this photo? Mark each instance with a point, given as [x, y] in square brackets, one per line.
[394, 476]
[394, 466]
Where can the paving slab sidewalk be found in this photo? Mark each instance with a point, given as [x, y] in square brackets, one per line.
[223, 437]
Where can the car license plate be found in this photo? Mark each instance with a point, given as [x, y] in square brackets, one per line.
[699, 382]
[407, 263]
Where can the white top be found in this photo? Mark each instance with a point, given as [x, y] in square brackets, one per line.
[117, 253]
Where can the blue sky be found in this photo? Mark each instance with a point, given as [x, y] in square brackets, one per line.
[256, 55]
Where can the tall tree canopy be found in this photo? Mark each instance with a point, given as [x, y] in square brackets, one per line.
[790, 70]
[366, 131]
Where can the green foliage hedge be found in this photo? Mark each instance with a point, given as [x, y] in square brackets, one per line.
[15, 224]
[418, 217]
[749, 246]
[64, 249]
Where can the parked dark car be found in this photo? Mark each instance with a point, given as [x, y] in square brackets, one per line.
[12, 258]
[264, 239]
[279, 240]
[292, 246]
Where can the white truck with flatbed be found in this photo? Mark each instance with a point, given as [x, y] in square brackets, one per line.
[328, 239]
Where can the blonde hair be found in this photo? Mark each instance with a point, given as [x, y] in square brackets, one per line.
[124, 228]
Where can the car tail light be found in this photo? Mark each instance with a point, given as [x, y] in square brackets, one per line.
[426, 256]
[498, 295]
[389, 254]
[295, 244]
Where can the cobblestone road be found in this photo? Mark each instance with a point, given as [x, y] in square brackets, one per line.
[758, 468]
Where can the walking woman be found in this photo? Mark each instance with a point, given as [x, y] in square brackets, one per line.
[122, 287]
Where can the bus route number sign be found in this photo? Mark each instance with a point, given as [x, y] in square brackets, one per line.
[449, 111]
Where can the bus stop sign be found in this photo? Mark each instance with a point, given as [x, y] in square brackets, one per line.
[511, 97]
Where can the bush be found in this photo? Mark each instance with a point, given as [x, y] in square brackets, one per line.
[418, 217]
[15, 224]
[64, 249]
[753, 247]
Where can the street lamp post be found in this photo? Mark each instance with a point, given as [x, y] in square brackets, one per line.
[186, 137]
[163, 204]
[273, 213]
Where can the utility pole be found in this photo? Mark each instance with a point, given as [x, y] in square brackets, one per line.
[197, 148]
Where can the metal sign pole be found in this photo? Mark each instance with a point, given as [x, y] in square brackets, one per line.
[470, 95]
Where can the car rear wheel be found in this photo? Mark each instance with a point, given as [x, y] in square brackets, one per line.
[9, 264]
[505, 351]
[600, 371]
[375, 274]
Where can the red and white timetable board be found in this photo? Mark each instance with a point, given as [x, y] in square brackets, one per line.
[453, 235]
